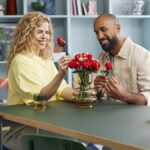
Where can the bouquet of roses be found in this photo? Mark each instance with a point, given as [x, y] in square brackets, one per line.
[84, 64]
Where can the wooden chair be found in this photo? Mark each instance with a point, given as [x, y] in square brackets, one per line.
[46, 142]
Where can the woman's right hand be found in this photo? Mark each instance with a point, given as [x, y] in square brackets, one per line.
[63, 64]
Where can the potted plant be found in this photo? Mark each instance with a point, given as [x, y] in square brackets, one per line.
[6, 35]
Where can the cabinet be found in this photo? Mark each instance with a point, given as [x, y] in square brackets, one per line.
[78, 30]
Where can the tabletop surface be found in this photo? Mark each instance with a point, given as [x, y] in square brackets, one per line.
[121, 123]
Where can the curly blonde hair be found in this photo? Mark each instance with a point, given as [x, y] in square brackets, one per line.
[24, 36]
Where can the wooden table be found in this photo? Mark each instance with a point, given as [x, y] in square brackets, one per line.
[120, 126]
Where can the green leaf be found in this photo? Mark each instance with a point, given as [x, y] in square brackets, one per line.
[103, 71]
[109, 73]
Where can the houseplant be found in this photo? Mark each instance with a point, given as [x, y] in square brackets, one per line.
[6, 35]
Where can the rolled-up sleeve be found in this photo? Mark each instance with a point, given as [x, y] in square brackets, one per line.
[144, 78]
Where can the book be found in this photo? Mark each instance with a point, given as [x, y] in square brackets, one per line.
[74, 7]
[92, 7]
[84, 10]
[78, 2]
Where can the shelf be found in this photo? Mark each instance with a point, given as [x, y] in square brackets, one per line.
[60, 6]
[10, 18]
[58, 16]
[78, 30]
[3, 62]
[134, 16]
[83, 16]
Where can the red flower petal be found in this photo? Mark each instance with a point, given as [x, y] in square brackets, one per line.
[108, 65]
[61, 42]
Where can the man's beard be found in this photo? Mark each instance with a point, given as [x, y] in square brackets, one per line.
[111, 44]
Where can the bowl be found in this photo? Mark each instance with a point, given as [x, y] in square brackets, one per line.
[38, 6]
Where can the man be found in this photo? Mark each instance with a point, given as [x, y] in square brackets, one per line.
[130, 82]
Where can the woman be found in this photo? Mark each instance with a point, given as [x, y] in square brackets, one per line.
[32, 70]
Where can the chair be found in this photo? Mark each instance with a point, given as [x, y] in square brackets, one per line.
[46, 142]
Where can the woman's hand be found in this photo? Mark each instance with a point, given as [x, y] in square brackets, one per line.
[63, 64]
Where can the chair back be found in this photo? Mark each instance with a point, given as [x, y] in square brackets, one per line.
[46, 142]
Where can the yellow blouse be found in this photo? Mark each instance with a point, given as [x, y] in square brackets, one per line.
[27, 75]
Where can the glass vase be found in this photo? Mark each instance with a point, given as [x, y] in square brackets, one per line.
[138, 7]
[40, 102]
[84, 92]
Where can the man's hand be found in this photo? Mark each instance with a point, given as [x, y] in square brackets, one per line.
[100, 82]
[110, 86]
[114, 89]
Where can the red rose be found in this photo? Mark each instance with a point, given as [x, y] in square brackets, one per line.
[83, 62]
[84, 55]
[74, 64]
[61, 42]
[86, 65]
[89, 56]
[95, 65]
[108, 66]
[78, 56]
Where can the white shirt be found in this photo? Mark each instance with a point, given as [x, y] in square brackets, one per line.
[131, 68]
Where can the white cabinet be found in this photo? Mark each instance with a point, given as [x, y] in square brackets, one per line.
[78, 30]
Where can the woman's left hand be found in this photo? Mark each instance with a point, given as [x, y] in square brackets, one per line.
[63, 64]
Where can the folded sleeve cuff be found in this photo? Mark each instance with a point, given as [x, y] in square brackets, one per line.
[147, 96]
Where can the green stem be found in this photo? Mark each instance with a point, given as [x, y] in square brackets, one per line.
[65, 50]
[84, 85]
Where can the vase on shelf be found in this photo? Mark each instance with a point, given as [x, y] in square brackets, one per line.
[11, 7]
[50, 7]
[138, 7]
[134, 7]
[39, 5]
[84, 92]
